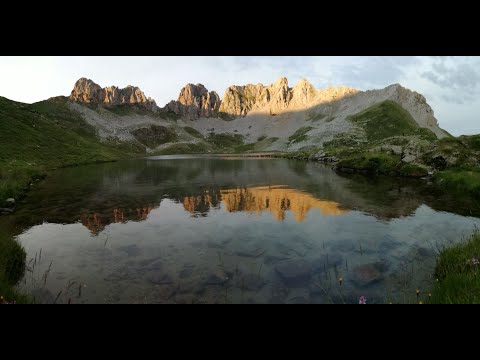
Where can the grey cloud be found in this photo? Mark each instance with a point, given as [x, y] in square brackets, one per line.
[371, 72]
[440, 67]
[458, 79]
[455, 99]
[429, 75]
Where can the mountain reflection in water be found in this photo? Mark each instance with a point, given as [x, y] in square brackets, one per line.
[209, 230]
[277, 199]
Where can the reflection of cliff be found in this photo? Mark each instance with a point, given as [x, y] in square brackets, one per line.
[202, 203]
[96, 222]
[275, 199]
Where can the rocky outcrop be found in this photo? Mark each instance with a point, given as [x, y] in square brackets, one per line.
[87, 91]
[416, 105]
[239, 100]
[273, 99]
[278, 97]
[195, 101]
[303, 94]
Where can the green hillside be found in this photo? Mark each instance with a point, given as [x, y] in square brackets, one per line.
[38, 137]
[389, 119]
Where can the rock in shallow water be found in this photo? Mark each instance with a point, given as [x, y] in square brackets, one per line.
[272, 259]
[131, 250]
[369, 274]
[326, 262]
[164, 293]
[252, 282]
[298, 296]
[42, 296]
[253, 253]
[216, 279]
[160, 279]
[294, 272]
[186, 272]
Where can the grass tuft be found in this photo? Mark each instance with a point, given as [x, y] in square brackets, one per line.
[457, 273]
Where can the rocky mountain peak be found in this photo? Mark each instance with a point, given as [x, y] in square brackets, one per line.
[280, 83]
[303, 93]
[87, 91]
[195, 101]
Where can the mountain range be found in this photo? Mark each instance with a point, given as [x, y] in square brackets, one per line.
[390, 130]
[247, 113]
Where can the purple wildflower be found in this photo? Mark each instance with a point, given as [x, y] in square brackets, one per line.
[4, 302]
[362, 300]
[475, 261]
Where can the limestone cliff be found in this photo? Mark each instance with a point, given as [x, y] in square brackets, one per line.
[87, 91]
[195, 101]
[278, 97]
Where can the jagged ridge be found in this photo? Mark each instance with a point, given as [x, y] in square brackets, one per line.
[87, 91]
[195, 101]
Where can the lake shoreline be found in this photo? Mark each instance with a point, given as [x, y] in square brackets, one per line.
[220, 156]
[459, 183]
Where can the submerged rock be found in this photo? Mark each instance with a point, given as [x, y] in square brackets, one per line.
[216, 279]
[298, 296]
[164, 293]
[252, 282]
[160, 279]
[253, 253]
[326, 262]
[186, 272]
[131, 250]
[42, 296]
[294, 272]
[272, 259]
[369, 274]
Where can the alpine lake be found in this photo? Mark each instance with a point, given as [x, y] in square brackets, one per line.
[226, 229]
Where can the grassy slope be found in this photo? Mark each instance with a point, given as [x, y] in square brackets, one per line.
[382, 122]
[388, 124]
[458, 276]
[389, 119]
[39, 137]
[33, 140]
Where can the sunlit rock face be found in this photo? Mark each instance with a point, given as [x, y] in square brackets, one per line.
[195, 101]
[87, 91]
[277, 98]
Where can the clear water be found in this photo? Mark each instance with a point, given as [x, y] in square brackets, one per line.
[179, 229]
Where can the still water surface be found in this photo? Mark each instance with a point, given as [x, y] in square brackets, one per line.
[180, 229]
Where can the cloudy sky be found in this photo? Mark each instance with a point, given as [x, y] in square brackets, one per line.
[450, 84]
